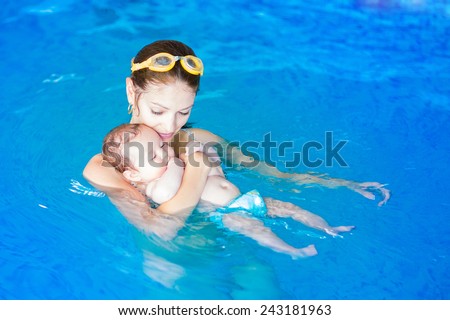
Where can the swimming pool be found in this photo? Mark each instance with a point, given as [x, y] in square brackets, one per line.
[376, 76]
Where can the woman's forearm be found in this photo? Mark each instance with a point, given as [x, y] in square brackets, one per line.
[233, 156]
[135, 208]
[366, 189]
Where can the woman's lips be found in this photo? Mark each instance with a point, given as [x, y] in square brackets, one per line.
[166, 136]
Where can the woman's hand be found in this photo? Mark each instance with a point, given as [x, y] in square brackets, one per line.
[368, 190]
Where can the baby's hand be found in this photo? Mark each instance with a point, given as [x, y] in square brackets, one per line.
[196, 146]
[196, 161]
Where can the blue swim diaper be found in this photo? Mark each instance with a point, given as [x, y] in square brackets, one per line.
[250, 203]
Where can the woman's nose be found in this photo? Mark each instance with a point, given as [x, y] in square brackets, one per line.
[169, 124]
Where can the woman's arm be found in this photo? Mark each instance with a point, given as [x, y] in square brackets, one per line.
[170, 216]
[102, 175]
[233, 156]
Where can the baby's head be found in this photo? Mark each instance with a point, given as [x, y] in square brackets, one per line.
[137, 152]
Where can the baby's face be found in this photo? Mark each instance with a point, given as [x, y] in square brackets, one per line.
[149, 154]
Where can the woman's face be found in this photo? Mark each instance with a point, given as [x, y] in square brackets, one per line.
[163, 107]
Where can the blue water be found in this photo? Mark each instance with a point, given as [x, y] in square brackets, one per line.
[377, 77]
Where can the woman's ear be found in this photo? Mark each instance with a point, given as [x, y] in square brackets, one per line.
[131, 92]
[132, 175]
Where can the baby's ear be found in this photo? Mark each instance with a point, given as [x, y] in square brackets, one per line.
[132, 175]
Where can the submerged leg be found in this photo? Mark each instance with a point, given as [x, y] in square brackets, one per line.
[277, 208]
[161, 270]
[266, 288]
[257, 231]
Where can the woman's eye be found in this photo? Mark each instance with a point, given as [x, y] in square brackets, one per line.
[185, 113]
[158, 113]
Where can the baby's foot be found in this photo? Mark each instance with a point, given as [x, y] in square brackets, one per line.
[305, 252]
[334, 231]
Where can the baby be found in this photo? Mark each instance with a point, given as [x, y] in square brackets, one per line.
[139, 154]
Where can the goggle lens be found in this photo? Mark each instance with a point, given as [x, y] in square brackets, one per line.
[191, 63]
[163, 61]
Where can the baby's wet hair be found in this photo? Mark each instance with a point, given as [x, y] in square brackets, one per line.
[113, 145]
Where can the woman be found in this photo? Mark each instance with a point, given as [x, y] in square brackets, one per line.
[161, 91]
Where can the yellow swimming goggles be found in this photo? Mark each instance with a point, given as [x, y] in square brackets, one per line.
[163, 61]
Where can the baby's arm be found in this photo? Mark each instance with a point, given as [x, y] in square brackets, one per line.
[165, 188]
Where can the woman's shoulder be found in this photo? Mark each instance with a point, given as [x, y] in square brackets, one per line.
[102, 175]
[202, 135]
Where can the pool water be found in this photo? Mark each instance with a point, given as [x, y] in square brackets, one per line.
[374, 73]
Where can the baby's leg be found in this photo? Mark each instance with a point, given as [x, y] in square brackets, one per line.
[277, 208]
[257, 231]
